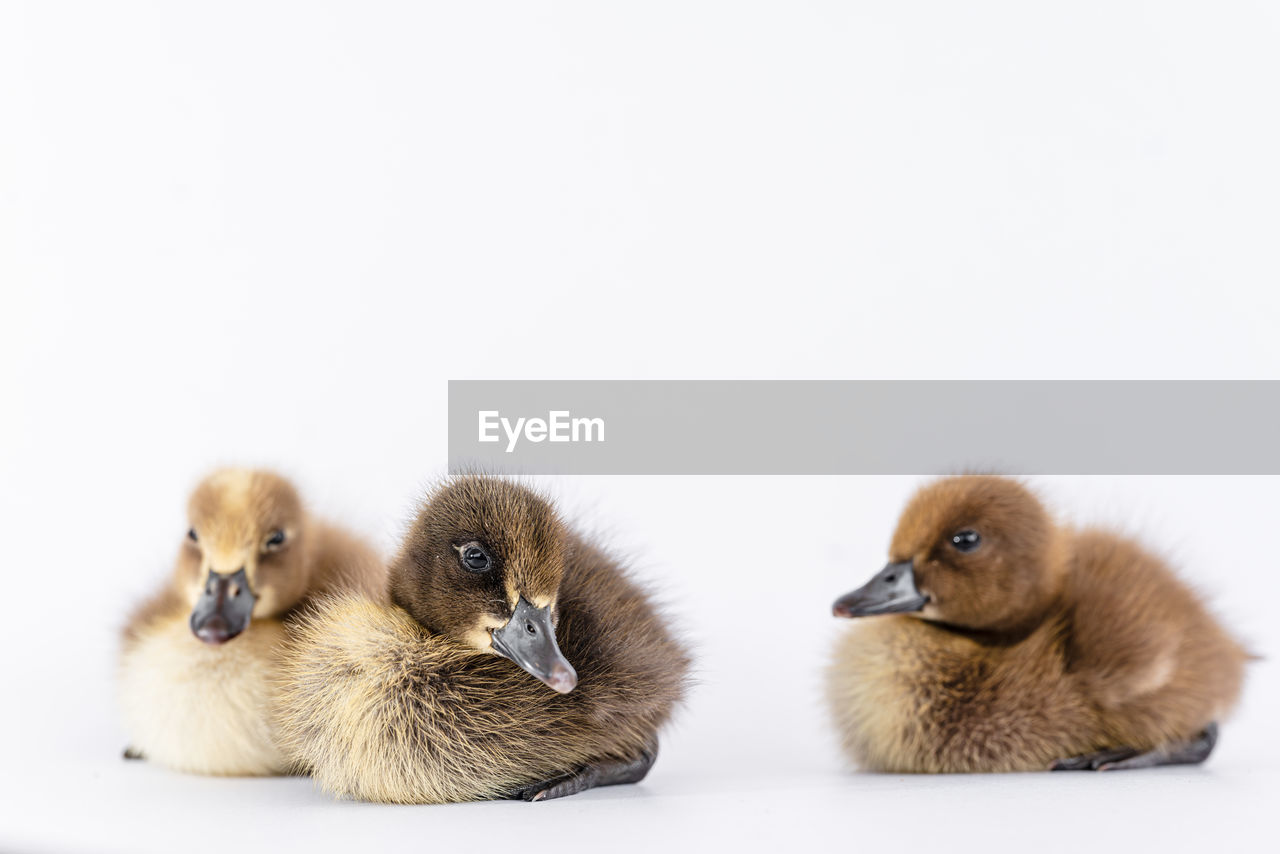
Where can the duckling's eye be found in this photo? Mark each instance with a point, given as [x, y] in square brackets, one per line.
[474, 558]
[966, 540]
[276, 540]
[191, 535]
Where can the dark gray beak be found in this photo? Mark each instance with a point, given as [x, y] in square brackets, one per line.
[891, 591]
[223, 610]
[529, 640]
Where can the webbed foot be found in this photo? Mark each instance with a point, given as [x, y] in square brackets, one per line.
[1191, 752]
[610, 772]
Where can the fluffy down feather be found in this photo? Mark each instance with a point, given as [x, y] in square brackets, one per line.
[378, 708]
[1044, 644]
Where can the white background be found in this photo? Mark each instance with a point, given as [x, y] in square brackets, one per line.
[268, 233]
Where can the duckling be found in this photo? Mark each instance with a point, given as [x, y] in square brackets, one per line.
[199, 658]
[516, 660]
[1011, 644]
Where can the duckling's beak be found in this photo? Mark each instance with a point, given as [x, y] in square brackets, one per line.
[529, 640]
[891, 591]
[223, 610]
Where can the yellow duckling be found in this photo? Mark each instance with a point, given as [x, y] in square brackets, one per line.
[199, 658]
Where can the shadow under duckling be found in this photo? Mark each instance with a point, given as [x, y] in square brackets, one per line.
[198, 661]
[517, 661]
[1012, 644]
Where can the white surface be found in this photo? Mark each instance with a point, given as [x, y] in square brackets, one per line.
[269, 233]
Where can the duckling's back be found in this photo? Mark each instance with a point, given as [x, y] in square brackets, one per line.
[634, 669]
[1143, 647]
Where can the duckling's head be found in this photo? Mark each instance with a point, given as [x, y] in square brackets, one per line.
[241, 556]
[972, 551]
[482, 565]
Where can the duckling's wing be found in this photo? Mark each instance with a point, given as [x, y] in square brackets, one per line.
[1138, 633]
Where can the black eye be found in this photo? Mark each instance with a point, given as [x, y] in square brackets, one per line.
[191, 535]
[276, 539]
[475, 558]
[966, 540]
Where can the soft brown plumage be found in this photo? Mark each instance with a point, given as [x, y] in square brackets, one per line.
[203, 706]
[409, 703]
[1040, 644]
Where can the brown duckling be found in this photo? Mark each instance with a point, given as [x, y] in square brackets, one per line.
[199, 658]
[516, 661]
[1012, 644]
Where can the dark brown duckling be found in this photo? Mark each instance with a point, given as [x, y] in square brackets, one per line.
[517, 660]
[198, 662]
[1011, 644]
